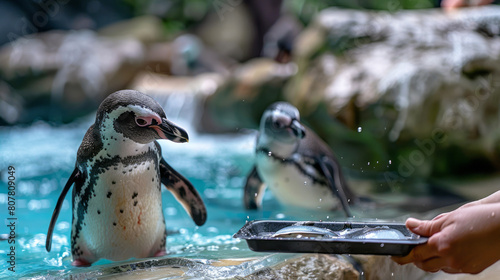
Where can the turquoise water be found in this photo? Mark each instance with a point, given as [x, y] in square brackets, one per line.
[44, 157]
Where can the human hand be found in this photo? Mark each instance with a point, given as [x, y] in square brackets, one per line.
[466, 240]
[453, 4]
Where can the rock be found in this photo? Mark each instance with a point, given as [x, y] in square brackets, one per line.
[422, 84]
[228, 30]
[62, 75]
[382, 267]
[147, 29]
[309, 266]
[238, 29]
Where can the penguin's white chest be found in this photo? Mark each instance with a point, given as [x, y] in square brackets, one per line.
[124, 216]
[291, 186]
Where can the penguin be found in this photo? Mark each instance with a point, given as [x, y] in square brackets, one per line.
[299, 168]
[117, 206]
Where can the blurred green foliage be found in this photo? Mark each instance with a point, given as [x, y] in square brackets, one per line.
[177, 15]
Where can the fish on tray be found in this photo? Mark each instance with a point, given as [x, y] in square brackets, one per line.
[297, 231]
[300, 231]
[383, 232]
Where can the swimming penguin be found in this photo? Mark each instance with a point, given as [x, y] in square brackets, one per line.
[298, 167]
[117, 206]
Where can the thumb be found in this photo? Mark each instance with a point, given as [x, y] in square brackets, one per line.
[423, 228]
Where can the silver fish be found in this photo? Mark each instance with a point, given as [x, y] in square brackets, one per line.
[304, 231]
[383, 232]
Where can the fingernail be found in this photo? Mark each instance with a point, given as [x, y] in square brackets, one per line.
[412, 223]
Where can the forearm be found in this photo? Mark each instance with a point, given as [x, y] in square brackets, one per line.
[493, 198]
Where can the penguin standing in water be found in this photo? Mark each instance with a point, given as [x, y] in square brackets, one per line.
[298, 167]
[117, 206]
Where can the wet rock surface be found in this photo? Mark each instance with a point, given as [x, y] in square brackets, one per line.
[382, 267]
[420, 63]
[267, 267]
[309, 267]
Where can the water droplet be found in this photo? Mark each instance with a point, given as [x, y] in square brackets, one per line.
[390, 161]
[320, 199]
[328, 217]
[255, 194]
[360, 129]
[377, 161]
[382, 245]
[368, 163]
[280, 216]
[305, 183]
[270, 154]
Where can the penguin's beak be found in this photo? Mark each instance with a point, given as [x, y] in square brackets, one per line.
[170, 131]
[298, 129]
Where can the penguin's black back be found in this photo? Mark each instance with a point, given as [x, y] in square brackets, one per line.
[91, 145]
[312, 145]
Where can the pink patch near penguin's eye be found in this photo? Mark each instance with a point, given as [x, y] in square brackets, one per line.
[143, 121]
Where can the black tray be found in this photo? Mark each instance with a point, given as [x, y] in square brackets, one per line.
[395, 247]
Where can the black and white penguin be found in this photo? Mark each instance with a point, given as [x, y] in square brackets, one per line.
[117, 206]
[299, 168]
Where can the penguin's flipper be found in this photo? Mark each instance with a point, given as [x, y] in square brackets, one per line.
[184, 192]
[75, 176]
[254, 190]
[335, 180]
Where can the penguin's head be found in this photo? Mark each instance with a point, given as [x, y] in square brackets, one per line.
[137, 117]
[281, 122]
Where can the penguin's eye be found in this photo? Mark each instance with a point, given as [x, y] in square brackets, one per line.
[278, 124]
[141, 122]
